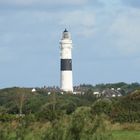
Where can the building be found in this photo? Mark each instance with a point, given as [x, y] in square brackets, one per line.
[66, 79]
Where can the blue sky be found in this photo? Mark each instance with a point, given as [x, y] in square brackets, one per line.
[105, 34]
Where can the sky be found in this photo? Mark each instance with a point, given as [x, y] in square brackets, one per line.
[105, 35]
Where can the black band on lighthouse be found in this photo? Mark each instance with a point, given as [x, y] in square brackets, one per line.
[66, 64]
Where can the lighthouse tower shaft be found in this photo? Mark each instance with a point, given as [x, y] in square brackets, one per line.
[66, 81]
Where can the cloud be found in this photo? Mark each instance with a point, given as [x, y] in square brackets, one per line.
[42, 2]
[83, 21]
[126, 31]
[83, 18]
[132, 3]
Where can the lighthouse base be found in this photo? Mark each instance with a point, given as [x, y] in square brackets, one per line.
[66, 81]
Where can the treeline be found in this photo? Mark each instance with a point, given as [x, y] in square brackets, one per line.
[41, 116]
[122, 109]
[125, 88]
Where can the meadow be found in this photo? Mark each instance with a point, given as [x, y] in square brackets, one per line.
[38, 116]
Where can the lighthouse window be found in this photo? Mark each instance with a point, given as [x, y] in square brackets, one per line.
[66, 35]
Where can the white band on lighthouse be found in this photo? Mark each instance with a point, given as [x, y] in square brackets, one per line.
[66, 82]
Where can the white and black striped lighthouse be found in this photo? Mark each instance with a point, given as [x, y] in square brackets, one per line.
[66, 80]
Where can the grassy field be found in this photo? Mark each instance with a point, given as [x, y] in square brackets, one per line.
[116, 135]
[126, 135]
[37, 130]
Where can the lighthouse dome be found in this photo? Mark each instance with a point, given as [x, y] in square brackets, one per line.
[65, 30]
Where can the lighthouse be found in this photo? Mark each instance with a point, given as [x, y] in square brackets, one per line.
[66, 80]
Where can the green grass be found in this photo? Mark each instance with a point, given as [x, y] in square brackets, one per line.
[126, 135]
